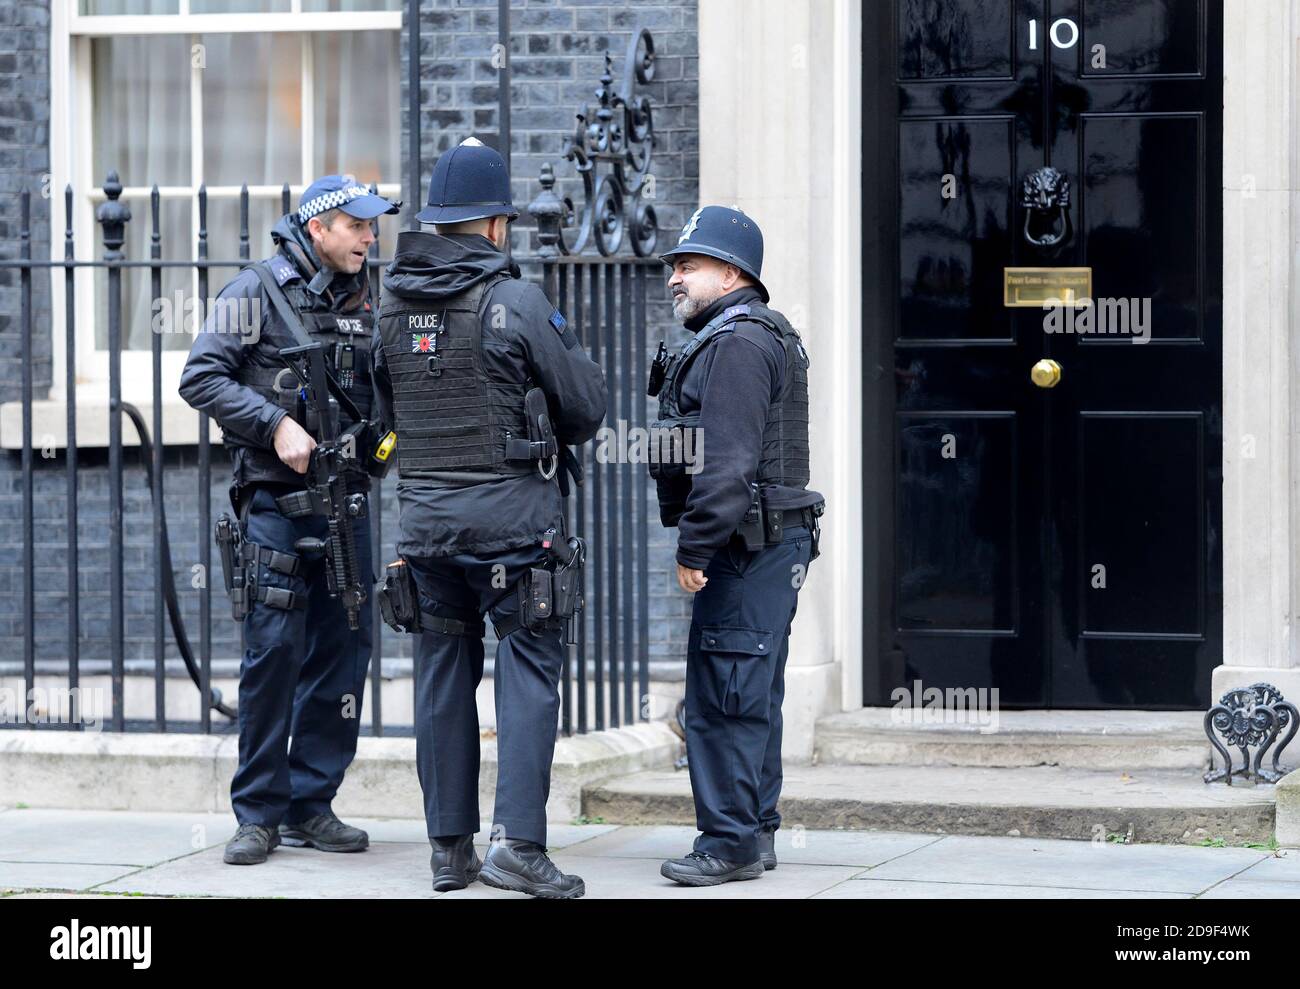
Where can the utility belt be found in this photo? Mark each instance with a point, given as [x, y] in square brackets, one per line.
[240, 565]
[549, 598]
[763, 526]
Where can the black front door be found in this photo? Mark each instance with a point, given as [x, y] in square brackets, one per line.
[1055, 536]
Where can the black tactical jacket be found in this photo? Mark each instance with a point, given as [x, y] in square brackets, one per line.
[209, 382]
[523, 339]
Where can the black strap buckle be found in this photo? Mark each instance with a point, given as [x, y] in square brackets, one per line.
[280, 598]
[282, 563]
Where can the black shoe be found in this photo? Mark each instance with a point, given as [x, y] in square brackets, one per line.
[703, 869]
[767, 849]
[250, 845]
[522, 866]
[454, 863]
[325, 832]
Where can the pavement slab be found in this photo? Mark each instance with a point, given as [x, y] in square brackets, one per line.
[892, 889]
[615, 878]
[107, 837]
[52, 853]
[795, 845]
[1039, 862]
[388, 870]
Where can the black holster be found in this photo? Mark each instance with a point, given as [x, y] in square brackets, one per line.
[230, 542]
[541, 444]
[240, 563]
[550, 597]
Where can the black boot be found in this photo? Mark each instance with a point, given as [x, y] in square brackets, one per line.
[325, 832]
[454, 863]
[250, 845]
[767, 849]
[522, 866]
[703, 869]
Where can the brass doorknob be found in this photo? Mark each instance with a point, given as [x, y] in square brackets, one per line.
[1046, 373]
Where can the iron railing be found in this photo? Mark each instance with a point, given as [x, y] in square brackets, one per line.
[605, 296]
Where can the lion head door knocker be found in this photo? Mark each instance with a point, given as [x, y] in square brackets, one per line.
[1045, 198]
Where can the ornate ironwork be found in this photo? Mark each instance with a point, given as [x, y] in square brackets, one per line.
[1250, 716]
[113, 216]
[619, 133]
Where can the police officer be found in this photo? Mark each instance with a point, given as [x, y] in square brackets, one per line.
[303, 669]
[747, 531]
[467, 347]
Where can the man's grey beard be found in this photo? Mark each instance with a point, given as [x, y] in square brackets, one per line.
[685, 308]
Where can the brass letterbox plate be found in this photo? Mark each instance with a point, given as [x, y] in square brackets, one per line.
[1031, 287]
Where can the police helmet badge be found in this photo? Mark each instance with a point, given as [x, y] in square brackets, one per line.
[692, 225]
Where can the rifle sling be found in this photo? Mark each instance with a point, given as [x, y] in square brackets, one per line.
[289, 315]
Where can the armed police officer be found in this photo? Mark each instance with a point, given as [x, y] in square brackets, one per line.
[747, 530]
[487, 386]
[307, 641]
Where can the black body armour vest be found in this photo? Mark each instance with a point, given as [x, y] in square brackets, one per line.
[451, 416]
[346, 338]
[784, 458]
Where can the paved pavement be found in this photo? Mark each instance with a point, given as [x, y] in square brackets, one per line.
[103, 853]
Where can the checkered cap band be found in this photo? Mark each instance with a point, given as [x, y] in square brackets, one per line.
[317, 206]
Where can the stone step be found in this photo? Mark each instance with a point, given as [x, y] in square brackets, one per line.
[1099, 740]
[1041, 802]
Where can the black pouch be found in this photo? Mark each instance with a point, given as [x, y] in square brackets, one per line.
[374, 450]
[658, 371]
[536, 600]
[751, 529]
[399, 600]
[667, 455]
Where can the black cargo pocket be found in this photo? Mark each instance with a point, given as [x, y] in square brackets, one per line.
[739, 675]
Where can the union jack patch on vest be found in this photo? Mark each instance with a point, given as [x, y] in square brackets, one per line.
[423, 343]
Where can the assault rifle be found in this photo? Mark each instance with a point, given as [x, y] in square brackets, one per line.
[332, 461]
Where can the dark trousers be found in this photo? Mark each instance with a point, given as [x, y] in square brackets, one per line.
[302, 677]
[448, 669]
[735, 683]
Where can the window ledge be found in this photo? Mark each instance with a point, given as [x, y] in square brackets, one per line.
[50, 424]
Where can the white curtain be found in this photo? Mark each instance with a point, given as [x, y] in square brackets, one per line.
[252, 134]
[141, 124]
[357, 117]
